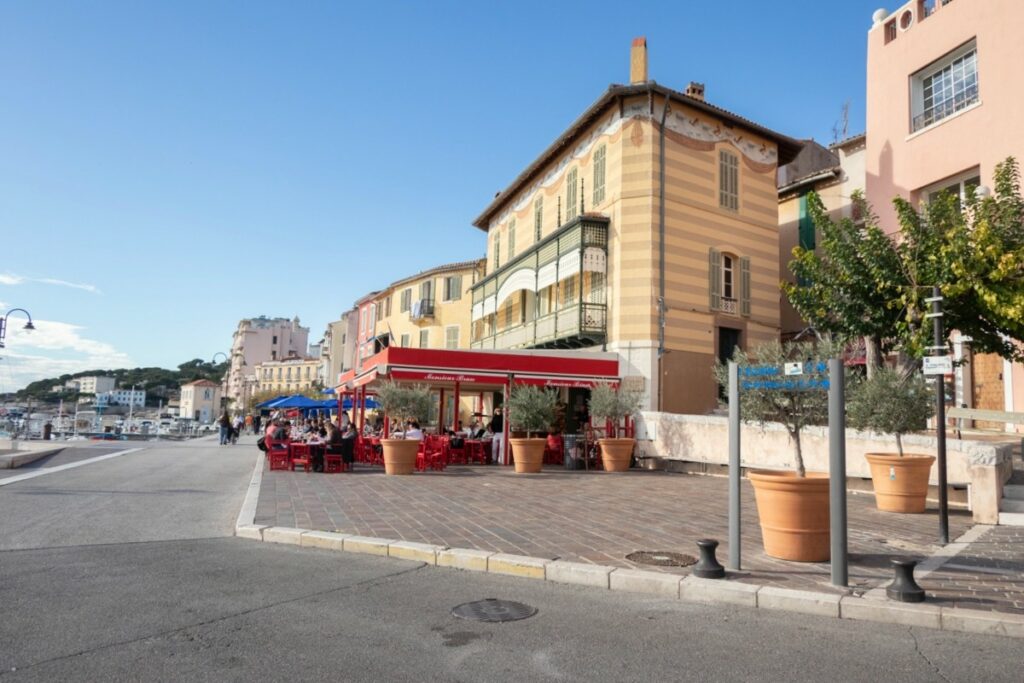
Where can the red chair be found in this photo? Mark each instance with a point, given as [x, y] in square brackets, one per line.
[456, 455]
[333, 463]
[299, 454]
[553, 450]
[278, 455]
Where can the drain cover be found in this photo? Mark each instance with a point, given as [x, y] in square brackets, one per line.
[660, 558]
[494, 611]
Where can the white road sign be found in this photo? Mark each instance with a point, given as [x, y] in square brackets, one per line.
[938, 365]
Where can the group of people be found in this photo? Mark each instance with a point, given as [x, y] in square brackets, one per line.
[322, 433]
[231, 427]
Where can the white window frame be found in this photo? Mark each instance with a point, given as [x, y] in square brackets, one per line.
[447, 336]
[424, 339]
[917, 86]
[959, 180]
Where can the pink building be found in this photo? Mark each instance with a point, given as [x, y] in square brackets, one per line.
[944, 101]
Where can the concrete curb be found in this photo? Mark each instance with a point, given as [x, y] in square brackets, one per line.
[685, 588]
[12, 461]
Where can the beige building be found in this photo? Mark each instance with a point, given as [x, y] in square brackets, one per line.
[288, 376]
[337, 347]
[200, 401]
[648, 228]
[429, 310]
[257, 340]
[834, 173]
[92, 384]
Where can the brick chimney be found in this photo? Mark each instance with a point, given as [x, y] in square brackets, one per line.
[695, 90]
[638, 61]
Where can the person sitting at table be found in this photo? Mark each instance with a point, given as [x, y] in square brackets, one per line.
[413, 431]
[278, 434]
[457, 436]
[347, 441]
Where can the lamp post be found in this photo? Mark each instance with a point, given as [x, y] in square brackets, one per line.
[3, 323]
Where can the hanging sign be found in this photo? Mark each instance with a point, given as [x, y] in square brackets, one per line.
[790, 377]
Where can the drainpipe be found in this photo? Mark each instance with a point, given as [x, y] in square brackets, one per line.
[661, 248]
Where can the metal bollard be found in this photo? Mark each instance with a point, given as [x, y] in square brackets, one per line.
[904, 588]
[707, 567]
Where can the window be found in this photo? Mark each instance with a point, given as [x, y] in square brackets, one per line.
[538, 218]
[274, 341]
[453, 288]
[427, 290]
[511, 239]
[405, 341]
[599, 156]
[569, 291]
[406, 303]
[570, 195]
[387, 306]
[289, 373]
[727, 277]
[451, 337]
[307, 372]
[722, 283]
[424, 338]
[958, 187]
[728, 181]
[508, 314]
[944, 88]
[497, 250]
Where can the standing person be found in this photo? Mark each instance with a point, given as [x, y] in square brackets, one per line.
[257, 421]
[236, 429]
[498, 427]
[224, 422]
[248, 424]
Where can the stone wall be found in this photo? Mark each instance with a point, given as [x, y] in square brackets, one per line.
[983, 466]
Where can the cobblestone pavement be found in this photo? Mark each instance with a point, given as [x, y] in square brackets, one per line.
[600, 518]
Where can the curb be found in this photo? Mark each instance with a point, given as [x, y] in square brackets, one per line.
[15, 460]
[684, 588]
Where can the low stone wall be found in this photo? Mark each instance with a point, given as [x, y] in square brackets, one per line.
[982, 466]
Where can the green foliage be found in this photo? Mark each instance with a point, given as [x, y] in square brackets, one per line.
[532, 409]
[794, 409]
[862, 282]
[405, 402]
[891, 403]
[608, 404]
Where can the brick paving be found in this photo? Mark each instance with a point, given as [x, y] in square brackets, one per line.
[600, 518]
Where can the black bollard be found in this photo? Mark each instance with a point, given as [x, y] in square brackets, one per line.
[707, 567]
[904, 588]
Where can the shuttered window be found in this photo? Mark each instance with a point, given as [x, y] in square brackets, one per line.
[497, 250]
[424, 338]
[728, 181]
[511, 239]
[538, 218]
[451, 337]
[745, 286]
[599, 157]
[453, 288]
[715, 279]
[405, 341]
[571, 199]
[427, 290]
[406, 302]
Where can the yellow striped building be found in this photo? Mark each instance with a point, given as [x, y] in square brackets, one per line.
[589, 248]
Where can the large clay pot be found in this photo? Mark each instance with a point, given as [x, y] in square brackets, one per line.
[399, 455]
[616, 454]
[901, 483]
[528, 454]
[794, 514]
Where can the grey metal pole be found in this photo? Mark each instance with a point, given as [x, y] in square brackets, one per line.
[734, 466]
[940, 415]
[837, 471]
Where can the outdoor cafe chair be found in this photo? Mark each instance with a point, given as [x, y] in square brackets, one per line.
[300, 454]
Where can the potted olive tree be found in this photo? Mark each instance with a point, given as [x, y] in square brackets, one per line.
[404, 403]
[896, 403]
[792, 506]
[531, 409]
[608, 404]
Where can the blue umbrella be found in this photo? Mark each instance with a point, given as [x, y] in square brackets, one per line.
[268, 402]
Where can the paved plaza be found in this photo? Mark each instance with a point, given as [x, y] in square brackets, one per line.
[600, 518]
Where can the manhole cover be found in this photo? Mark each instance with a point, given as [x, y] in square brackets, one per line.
[660, 558]
[494, 611]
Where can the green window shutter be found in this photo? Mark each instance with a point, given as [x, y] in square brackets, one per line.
[538, 218]
[715, 278]
[806, 229]
[599, 160]
[511, 239]
[456, 292]
[745, 286]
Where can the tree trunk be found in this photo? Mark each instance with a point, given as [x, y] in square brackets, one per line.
[872, 355]
[800, 470]
[899, 444]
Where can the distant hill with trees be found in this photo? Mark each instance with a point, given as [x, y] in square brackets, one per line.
[160, 383]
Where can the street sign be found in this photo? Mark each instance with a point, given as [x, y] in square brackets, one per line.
[794, 369]
[938, 365]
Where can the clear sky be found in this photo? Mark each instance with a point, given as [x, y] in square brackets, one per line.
[167, 169]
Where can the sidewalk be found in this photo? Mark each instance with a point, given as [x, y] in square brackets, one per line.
[599, 518]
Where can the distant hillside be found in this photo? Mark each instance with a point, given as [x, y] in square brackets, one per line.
[159, 383]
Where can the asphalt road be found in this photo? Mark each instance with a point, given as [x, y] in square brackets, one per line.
[125, 570]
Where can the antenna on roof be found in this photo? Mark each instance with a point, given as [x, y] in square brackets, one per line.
[841, 127]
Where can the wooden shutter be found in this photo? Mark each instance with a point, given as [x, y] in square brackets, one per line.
[715, 278]
[745, 286]
[456, 292]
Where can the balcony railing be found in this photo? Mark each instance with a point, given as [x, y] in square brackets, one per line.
[728, 305]
[960, 100]
[573, 326]
[424, 308]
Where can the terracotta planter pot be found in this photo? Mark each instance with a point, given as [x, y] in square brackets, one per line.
[901, 483]
[528, 454]
[399, 455]
[616, 454]
[794, 514]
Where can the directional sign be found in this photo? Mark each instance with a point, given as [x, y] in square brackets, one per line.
[938, 365]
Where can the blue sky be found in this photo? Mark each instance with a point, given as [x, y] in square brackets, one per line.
[169, 168]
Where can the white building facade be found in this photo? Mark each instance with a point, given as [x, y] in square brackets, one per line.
[258, 340]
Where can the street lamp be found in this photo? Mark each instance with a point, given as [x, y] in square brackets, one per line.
[3, 323]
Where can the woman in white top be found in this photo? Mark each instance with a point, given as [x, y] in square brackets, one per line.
[413, 431]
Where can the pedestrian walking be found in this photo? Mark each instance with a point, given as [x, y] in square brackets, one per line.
[224, 422]
[498, 427]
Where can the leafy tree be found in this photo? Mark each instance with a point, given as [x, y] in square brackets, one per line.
[863, 282]
[891, 402]
[607, 403]
[532, 409]
[794, 408]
